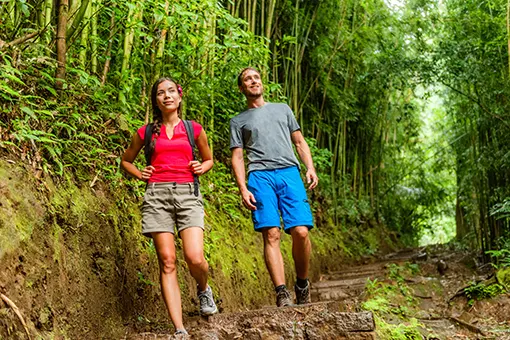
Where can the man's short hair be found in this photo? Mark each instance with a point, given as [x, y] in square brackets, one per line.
[240, 76]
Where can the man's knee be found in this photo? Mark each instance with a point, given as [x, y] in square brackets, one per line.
[299, 233]
[272, 236]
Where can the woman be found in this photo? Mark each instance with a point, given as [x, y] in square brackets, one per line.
[170, 204]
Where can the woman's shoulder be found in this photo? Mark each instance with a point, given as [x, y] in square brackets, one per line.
[195, 124]
[197, 128]
[141, 131]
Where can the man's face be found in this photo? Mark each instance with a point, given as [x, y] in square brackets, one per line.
[251, 84]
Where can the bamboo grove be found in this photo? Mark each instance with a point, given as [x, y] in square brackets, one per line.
[76, 76]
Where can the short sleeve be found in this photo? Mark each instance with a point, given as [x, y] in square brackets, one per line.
[141, 132]
[236, 139]
[197, 128]
[291, 119]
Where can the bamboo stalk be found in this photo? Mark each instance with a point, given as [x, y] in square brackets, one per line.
[85, 34]
[135, 13]
[81, 13]
[108, 50]
[161, 44]
[253, 20]
[93, 38]
[61, 44]
[508, 32]
[48, 7]
[262, 16]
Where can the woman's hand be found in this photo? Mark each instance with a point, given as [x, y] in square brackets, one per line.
[196, 168]
[147, 173]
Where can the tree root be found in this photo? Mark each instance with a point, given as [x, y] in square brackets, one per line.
[17, 312]
[468, 326]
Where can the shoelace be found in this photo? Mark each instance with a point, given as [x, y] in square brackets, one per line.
[284, 293]
[204, 299]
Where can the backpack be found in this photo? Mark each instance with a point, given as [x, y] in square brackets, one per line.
[189, 131]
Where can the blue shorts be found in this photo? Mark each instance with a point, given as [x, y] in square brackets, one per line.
[279, 191]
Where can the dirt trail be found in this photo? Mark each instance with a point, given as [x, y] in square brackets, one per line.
[336, 311]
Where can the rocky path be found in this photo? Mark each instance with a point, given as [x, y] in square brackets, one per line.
[321, 320]
[336, 311]
[334, 314]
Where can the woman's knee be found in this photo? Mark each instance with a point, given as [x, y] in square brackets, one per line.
[195, 259]
[167, 263]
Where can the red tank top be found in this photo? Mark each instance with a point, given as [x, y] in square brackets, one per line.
[172, 156]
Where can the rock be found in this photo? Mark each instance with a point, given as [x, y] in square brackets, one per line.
[442, 266]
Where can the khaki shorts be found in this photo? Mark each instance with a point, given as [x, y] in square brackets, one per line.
[171, 206]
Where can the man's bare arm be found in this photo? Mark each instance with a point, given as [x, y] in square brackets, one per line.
[239, 172]
[304, 153]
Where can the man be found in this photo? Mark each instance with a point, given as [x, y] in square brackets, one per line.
[267, 131]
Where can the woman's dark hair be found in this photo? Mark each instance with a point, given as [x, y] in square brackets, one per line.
[240, 76]
[157, 117]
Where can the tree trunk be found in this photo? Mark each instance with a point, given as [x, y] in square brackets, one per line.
[77, 19]
[108, 50]
[161, 45]
[253, 20]
[135, 14]
[85, 35]
[94, 38]
[61, 44]
[48, 9]
[508, 32]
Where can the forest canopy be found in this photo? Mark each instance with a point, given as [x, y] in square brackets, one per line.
[404, 103]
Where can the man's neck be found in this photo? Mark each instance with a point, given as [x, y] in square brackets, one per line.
[253, 103]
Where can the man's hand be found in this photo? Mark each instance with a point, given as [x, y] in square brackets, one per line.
[248, 199]
[312, 179]
[147, 173]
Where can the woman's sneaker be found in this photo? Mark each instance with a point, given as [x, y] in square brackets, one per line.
[283, 298]
[207, 305]
[302, 294]
[180, 334]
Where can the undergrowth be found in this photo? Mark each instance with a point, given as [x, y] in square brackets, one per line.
[393, 304]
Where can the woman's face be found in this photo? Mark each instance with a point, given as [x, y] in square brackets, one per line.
[167, 96]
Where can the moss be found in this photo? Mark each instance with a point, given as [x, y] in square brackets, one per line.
[503, 277]
[56, 233]
[20, 209]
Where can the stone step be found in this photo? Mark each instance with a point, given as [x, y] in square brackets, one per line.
[339, 283]
[337, 294]
[344, 275]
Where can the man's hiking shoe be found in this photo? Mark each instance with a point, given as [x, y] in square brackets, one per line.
[207, 305]
[283, 298]
[302, 294]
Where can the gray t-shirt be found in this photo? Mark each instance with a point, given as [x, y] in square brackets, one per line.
[265, 134]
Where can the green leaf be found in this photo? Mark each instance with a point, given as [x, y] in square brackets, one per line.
[7, 89]
[13, 78]
[29, 112]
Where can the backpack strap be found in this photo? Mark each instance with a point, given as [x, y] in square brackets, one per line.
[147, 143]
[191, 138]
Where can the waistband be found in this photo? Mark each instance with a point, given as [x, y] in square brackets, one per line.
[169, 185]
[287, 169]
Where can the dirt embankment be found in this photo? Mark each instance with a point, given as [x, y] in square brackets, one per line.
[76, 266]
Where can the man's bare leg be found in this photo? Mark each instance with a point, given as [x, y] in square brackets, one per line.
[273, 255]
